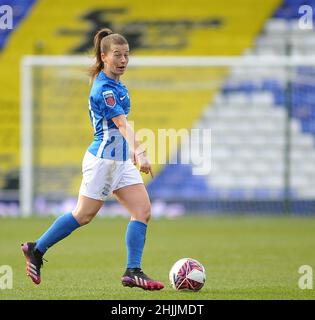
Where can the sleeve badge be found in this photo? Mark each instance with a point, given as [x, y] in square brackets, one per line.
[109, 98]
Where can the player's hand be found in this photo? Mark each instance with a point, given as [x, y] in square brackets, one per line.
[144, 164]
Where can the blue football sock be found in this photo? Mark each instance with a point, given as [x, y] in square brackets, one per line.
[135, 238]
[61, 228]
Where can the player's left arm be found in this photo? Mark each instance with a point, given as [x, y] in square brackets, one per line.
[127, 132]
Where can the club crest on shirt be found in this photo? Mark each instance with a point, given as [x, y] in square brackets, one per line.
[109, 98]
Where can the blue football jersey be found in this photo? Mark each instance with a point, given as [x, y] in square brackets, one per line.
[107, 100]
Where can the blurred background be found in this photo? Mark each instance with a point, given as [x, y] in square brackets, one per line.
[262, 118]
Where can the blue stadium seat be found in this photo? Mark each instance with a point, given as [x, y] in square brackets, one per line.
[180, 178]
[262, 193]
[290, 9]
[20, 10]
[236, 194]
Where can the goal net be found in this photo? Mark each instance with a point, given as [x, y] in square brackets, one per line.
[223, 134]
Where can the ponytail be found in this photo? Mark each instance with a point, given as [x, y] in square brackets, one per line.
[96, 68]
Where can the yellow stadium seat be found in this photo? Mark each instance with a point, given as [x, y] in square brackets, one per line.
[183, 27]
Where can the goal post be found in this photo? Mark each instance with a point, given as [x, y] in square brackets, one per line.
[168, 77]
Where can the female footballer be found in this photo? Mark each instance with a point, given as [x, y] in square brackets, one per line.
[106, 166]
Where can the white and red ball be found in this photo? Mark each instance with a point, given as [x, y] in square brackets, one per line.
[187, 274]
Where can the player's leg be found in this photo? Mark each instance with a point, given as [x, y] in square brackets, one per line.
[95, 175]
[86, 209]
[135, 198]
[62, 227]
[137, 202]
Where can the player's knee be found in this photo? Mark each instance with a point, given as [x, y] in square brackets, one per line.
[143, 213]
[83, 218]
[146, 213]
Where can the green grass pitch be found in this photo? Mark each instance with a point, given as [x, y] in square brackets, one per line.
[245, 257]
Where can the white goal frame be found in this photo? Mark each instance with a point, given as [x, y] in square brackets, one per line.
[26, 94]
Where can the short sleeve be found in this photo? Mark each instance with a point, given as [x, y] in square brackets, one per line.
[110, 104]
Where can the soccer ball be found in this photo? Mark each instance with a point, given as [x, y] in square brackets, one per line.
[187, 274]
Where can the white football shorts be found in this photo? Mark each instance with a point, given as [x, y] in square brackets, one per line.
[102, 176]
